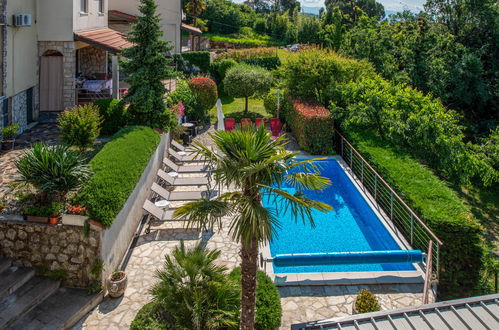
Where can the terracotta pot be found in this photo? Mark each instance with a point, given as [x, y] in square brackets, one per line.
[117, 288]
[54, 219]
[8, 145]
[32, 218]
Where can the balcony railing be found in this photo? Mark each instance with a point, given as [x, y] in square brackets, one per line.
[401, 215]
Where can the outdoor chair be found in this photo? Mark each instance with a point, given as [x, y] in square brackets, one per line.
[180, 147]
[176, 181]
[176, 196]
[275, 127]
[186, 168]
[184, 158]
[259, 122]
[161, 215]
[246, 123]
[230, 124]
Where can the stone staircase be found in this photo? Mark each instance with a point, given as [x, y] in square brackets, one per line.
[28, 301]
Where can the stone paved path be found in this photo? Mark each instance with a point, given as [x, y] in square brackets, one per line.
[300, 304]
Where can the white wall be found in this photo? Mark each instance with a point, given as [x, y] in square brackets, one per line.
[92, 19]
[22, 52]
[169, 11]
[55, 20]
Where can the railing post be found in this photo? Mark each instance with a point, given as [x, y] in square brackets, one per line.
[412, 228]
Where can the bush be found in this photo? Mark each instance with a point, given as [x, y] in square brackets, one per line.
[218, 69]
[437, 205]
[201, 59]
[152, 317]
[269, 63]
[113, 114]
[260, 26]
[205, 91]
[246, 81]
[245, 41]
[80, 126]
[117, 169]
[52, 170]
[8, 132]
[313, 72]
[366, 302]
[312, 126]
[183, 93]
[270, 103]
[246, 54]
[268, 301]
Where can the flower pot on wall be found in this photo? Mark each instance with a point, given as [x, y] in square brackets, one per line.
[116, 284]
[54, 219]
[74, 220]
[32, 218]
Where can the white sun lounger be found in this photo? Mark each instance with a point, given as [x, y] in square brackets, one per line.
[186, 169]
[157, 212]
[176, 181]
[184, 158]
[178, 195]
[180, 147]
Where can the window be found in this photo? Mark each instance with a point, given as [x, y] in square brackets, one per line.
[101, 6]
[83, 6]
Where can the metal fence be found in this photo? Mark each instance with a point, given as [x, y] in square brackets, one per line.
[405, 220]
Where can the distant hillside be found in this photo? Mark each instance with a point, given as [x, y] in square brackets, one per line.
[311, 10]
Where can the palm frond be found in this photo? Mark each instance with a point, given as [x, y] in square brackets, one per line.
[204, 212]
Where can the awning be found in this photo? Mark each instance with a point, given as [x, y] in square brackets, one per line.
[190, 29]
[107, 39]
[116, 15]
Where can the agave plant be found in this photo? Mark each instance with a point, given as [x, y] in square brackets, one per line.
[52, 170]
[195, 292]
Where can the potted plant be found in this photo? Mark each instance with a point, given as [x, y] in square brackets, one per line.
[365, 302]
[37, 214]
[8, 134]
[116, 284]
[75, 215]
[54, 213]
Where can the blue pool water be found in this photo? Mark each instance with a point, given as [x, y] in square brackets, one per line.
[350, 227]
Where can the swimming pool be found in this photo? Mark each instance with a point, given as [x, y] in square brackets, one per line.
[352, 226]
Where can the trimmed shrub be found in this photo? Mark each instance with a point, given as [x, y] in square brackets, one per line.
[366, 302]
[312, 126]
[201, 59]
[270, 103]
[152, 317]
[113, 115]
[245, 54]
[80, 126]
[205, 91]
[269, 63]
[437, 205]
[183, 93]
[218, 69]
[268, 301]
[117, 169]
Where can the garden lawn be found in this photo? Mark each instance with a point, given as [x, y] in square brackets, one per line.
[234, 108]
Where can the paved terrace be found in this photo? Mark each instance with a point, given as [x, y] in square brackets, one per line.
[300, 303]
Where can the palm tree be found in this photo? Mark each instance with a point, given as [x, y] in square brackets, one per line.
[254, 166]
[196, 293]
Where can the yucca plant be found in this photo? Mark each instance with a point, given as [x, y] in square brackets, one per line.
[195, 292]
[254, 166]
[52, 170]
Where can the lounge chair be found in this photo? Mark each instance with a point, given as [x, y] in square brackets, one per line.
[230, 124]
[180, 147]
[259, 122]
[246, 123]
[176, 181]
[184, 158]
[158, 213]
[176, 196]
[186, 169]
[275, 127]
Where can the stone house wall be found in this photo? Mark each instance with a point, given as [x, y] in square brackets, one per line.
[91, 60]
[53, 247]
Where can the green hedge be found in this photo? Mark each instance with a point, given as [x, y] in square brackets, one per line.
[437, 205]
[113, 113]
[151, 317]
[201, 59]
[312, 126]
[117, 169]
[269, 63]
[268, 301]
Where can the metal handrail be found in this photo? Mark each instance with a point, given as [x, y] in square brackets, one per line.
[402, 216]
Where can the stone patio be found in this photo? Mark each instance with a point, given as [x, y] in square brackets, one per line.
[299, 303]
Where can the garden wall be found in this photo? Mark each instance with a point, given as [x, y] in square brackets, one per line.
[116, 239]
[50, 247]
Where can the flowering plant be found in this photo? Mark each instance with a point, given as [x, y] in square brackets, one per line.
[178, 109]
[77, 210]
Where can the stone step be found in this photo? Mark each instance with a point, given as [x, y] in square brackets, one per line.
[13, 278]
[4, 263]
[25, 298]
[59, 311]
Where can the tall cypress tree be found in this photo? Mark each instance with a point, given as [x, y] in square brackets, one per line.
[146, 66]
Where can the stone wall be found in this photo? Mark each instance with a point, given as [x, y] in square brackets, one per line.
[91, 60]
[68, 50]
[53, 247]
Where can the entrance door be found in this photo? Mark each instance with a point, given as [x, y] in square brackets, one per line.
[51, 82]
